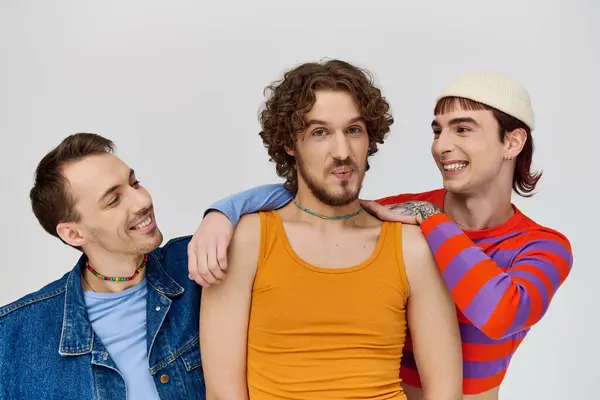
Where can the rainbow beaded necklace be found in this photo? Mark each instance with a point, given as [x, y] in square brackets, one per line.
[117, 278]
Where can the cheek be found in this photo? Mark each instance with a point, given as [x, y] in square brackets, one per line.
[115, 222]
[478, 150]
[487, 158]
[434, 153]
[314, 156]
[360, 148]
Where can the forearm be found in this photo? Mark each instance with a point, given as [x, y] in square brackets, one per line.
[260, 198]
[231, 392]
[441, 395]
[419, 394]
[498, 303]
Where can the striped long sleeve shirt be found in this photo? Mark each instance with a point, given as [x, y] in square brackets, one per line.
[502, 281]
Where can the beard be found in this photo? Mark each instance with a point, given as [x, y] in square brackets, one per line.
[128, 246]
[324, 194]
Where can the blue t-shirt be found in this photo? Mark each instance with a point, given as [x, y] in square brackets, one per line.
[119, 320]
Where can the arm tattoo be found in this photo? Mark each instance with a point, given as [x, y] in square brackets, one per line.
[420, 209]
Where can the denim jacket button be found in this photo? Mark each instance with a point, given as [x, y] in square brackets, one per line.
[164, 378]
[157, 308]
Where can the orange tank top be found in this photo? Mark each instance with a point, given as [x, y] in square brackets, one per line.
[321, 333]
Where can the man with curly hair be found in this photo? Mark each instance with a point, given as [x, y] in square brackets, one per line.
[317, 302]
[502, 268]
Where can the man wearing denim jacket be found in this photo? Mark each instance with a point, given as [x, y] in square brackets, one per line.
[123, 323]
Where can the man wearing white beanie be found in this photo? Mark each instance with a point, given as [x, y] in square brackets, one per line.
[501, 267]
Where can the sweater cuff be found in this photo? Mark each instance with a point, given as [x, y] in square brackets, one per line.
[429, 224]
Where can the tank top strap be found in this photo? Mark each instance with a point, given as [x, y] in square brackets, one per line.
[269, 233]
[394, 244]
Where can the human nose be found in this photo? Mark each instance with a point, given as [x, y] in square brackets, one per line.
[442, 144]
[141, 200]
[341, 146]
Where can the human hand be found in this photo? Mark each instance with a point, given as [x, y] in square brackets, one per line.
[207, 251]
[409, 212]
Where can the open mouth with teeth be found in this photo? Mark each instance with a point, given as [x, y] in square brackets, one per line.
[145, 223]
[457, 166]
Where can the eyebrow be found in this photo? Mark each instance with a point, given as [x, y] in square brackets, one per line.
[112, 189]
[456, 121]
[321, 122]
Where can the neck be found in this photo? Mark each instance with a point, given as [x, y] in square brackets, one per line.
[111, 265]
[481, 211]
[309, 202]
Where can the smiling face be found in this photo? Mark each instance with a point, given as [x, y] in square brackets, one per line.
[468, 151]
[116, 212]
[331, 153]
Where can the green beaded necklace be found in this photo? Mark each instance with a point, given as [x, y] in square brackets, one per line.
[116, 278]
[355, 213]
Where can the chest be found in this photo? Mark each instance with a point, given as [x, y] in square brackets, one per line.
[344, 248]
[120, 323]
[502, 250]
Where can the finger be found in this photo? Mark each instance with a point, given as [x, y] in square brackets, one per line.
[371, 207]
[368, 204]
[200, 281]
[192, 259]
[193, 268]
[204, 268]
[388, 216]
[222, 256]
[404, 219]
[193, 273]
[213, 264]
[395, 215]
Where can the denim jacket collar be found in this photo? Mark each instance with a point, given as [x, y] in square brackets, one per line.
[77, 336]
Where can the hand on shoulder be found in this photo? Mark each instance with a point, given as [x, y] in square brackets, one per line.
[409, 212]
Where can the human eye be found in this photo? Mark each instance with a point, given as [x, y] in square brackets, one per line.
[115, 201]
[319, 132]
[355, 129]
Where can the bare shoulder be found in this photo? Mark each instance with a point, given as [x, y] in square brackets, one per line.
[414, 243]
[418, 258]
[247, 231]
[244, 249]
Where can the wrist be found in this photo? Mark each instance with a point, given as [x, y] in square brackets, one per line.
[233, 219]
[427, 214]
[433, 221]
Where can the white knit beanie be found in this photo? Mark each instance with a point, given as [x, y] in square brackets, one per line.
[494, 90]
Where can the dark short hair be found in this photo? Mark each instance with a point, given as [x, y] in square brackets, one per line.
[51, 199]
[292, 97]
[524, 179]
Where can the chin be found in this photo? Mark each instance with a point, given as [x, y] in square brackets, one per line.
[457, 187]
[151, 243]
[157, 239]
[344, 197]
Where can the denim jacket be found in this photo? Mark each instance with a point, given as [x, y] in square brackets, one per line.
[48, 349]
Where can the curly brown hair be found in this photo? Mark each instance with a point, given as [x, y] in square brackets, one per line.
[292, 97]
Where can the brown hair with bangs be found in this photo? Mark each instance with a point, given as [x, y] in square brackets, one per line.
[524, 180]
